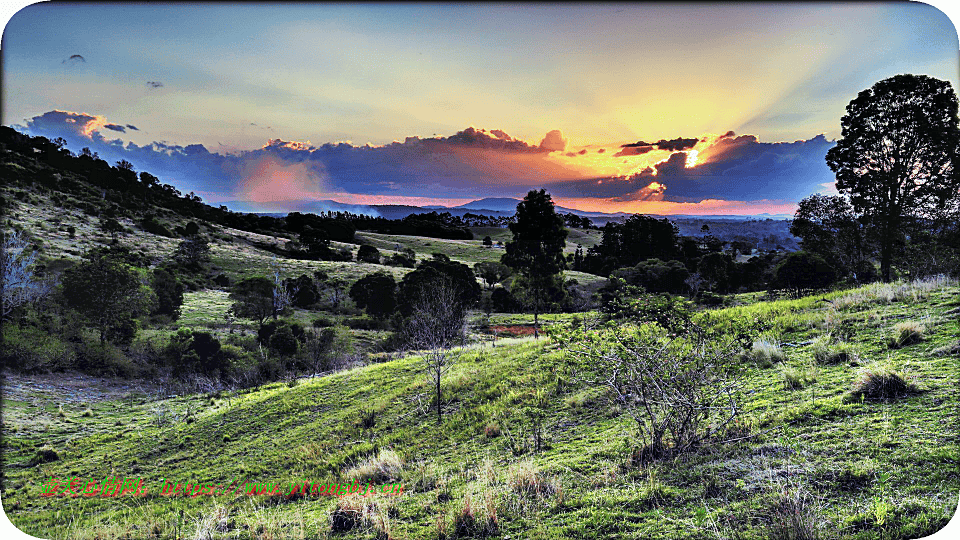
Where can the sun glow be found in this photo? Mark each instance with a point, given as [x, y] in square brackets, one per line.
[691, 159]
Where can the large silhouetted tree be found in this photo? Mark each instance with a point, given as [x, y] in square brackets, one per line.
[536, 250]
[897, 154]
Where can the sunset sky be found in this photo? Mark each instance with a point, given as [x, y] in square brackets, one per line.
[725, 109]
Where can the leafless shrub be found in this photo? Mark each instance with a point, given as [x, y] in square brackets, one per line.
[436, 324]
[680, 392]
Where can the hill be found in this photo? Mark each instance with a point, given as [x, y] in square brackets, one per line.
[847, 467]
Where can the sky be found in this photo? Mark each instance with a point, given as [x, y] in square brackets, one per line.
[664, 109]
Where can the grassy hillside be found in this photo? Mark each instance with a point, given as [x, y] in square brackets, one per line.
[857, 468]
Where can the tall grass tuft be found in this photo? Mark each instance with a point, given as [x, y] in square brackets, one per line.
[386, 465]
[906, 333]
[765, 352]
[826, 351]
[878, 381]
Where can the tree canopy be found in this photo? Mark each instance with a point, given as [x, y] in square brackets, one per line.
[896, 158]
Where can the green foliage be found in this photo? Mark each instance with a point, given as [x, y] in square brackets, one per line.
[368, 254]
[897, 154]
[108, 293]
[253, 299]
[375, 294]
[906, 333]
[536, 250]
[803, 271]
[169, 293]
[436, 272]
[190, 352]
[193, 252]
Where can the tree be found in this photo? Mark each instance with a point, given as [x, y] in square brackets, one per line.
[437, 322]
[440, 268]
[169, 293]
[192, 252]
[111, 226]
[802, 270]
[536, 250]
[828, 226]
[303, 291]
[253, 299]
[492, 272]
[18, 282]
[375, 294]
[897, 155]
[487, 241]
[368, 254]
[107, 292]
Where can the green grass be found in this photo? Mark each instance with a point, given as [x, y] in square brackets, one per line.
[581, 485]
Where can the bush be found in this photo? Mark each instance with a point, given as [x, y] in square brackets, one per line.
[30, 349]
[906, 333]
[323, 322]
[366, 323]
[881, 382]
[687, 382]
[797, 377]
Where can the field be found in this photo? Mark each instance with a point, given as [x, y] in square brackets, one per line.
[852, 468]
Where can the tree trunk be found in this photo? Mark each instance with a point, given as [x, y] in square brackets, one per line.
[439, 413]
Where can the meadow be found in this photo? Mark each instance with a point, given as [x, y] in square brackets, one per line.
[811, 446]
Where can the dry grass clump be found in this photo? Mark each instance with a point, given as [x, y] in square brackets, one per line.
[906, 333]
[353, 512]
[826, 351]
[765, 352]
[881, 382]
[794, 515]
[491, 431]
[387, 465]
[476, 521]
[525, 478]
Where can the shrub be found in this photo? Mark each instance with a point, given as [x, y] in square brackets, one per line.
[765, 352]
[686, 383]
[30, 349]
[906, 333]
[881, 382]
[366, 323]
[323, 322]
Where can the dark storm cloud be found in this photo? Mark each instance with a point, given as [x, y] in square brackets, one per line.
[633, 150]
[733, 168]
[464, 163]
[676, 144]
[154, 84]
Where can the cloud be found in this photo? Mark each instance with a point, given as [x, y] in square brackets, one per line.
[154, 84]
[135, 128]
[676, 144]
[74, 59]
[554, 141]
[471, 163]
[115, 127]
[633, 150]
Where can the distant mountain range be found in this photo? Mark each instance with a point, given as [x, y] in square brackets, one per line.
[491, 206]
